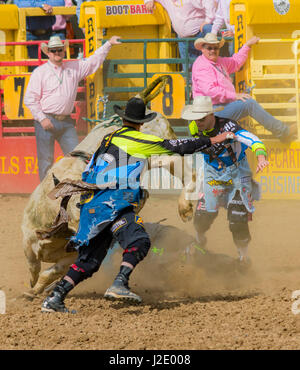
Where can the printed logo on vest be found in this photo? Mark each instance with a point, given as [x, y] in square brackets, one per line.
[281, 6]
[228, 126]
[86, 197]
[117, 225]
[220, 183]
[139, 220]
[245, 179]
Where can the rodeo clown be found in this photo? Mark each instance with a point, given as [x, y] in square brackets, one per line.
[227, 176]
[110, 213]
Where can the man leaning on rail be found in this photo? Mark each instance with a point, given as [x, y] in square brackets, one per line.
[50, 96]
[211, 77]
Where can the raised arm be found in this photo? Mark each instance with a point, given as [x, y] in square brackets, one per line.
[90, 65]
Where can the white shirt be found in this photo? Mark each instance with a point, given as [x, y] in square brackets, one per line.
[187, 15]
[222, 16]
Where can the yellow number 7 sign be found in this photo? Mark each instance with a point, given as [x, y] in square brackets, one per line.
[171, 100]
[14, 91]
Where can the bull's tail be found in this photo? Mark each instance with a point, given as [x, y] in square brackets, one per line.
[147, 94]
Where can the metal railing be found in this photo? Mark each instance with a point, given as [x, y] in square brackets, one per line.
[280, 79]
[145, 62]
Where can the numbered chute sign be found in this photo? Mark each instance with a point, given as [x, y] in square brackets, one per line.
[171, 100]
[14, 91]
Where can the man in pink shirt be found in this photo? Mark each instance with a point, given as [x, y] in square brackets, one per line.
[50, 96]
[189, 18]
[211, 77]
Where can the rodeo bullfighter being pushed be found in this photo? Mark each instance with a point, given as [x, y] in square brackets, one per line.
[108, 213]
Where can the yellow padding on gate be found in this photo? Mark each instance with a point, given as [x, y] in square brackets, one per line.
[269, 11]
[9, 17]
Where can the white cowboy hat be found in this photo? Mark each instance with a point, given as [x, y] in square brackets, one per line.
[54, 42]
[209, 38]
[201, 107]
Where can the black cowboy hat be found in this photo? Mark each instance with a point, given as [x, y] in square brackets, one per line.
[134, 111]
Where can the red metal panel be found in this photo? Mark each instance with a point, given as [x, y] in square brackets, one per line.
[18, 164]
[14, 130]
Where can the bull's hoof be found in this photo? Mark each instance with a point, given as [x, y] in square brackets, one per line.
[29, 295]
[33, 282]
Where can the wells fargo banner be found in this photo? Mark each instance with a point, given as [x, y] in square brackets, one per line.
[19, 165]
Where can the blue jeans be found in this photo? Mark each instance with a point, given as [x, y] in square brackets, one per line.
[60, 33]
[240, 109]
[231, 48]
[192, 52]
[64, 132]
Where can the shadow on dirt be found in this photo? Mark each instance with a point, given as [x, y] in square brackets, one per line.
[164, 303]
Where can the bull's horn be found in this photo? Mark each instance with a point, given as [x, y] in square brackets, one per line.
[146, 95]
[55, 179]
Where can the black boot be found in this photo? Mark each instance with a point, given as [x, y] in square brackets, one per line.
[120, 288]
[55, 301]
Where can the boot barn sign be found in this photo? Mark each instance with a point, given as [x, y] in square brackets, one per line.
[135, 9]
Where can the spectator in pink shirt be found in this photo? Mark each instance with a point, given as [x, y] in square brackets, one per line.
[211, 77]
[50, 96]
[60, 25]
[189, 18]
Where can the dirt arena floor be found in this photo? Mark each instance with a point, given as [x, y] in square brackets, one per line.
[189, 310]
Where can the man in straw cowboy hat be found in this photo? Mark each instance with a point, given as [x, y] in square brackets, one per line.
[38, 27]
[227, 176]
[109, 211]
[211, 77]
[50, 96]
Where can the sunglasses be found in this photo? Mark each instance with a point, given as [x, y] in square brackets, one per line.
[209, 48]
[56, 50]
